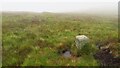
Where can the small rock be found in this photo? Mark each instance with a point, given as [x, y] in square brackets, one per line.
[81, 40]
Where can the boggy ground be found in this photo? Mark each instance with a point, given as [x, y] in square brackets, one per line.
[108, 54]
[34, 39]
[107, 59]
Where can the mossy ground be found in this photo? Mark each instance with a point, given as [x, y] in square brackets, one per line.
[34, 39]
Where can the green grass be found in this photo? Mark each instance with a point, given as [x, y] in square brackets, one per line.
[33, 39]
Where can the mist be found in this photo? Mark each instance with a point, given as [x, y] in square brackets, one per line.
[57, 6]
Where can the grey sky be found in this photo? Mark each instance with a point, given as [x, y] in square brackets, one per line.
[59, 5]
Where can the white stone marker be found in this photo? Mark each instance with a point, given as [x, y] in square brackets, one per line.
[81, 40]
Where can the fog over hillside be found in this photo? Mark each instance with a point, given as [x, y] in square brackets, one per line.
[78, 6]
